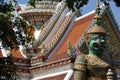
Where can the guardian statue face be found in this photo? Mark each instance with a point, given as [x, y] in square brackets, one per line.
[97, 44]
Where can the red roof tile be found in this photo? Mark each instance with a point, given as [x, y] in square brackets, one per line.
[16, 53]
[74, 35]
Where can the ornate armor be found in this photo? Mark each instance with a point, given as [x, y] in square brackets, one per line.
[90, 67]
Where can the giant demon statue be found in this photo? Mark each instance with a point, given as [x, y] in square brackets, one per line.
[92, 66]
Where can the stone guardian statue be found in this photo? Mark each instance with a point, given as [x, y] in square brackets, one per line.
[92, 66]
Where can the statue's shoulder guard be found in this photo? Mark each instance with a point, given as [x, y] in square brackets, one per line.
[80, 62]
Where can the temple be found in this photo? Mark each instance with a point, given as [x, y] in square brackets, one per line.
[59, 34]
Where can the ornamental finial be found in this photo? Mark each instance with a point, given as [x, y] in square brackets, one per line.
[69, 48]
[97, 17]
[97, 28]
[43, 48]
[97, 3]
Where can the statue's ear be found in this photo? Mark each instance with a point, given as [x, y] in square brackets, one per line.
[87, 39]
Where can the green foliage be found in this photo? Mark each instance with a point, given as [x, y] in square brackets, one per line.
[32, 2]
[6, 8]
[7, 35]
[7, 69]
[76, 3]
[117, 2]
[8, 22]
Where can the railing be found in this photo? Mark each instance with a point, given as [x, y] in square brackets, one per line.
[114, 22]
[42, 5]
[59, 33]
[51, 23]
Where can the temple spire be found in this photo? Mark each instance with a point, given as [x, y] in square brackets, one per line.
[97, 18]
[97, 3]
[97, 26]
[97, 8]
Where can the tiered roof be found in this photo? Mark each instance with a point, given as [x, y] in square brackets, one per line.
[74, 35]
[71, 28]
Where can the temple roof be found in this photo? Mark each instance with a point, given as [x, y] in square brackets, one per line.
[74, 35]
[16, 53]
[79, 26]
[41, 6]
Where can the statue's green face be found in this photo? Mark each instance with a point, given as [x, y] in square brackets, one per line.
[97, 44]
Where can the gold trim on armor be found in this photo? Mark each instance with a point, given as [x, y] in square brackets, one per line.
[80, 66]
[95, 78]
[95, 61]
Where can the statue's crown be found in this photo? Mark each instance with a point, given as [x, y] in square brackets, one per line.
[97, 28]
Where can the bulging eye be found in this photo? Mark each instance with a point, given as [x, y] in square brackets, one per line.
[102, 42]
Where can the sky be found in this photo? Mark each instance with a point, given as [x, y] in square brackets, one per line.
[91, 6]
[115, 10]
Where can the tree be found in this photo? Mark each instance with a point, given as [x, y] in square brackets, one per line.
[7, 35]
[32, 2]
[117, 2]
[12, 28]
[80, 3]
[14, 31]
[72, 4]
[7, 69]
